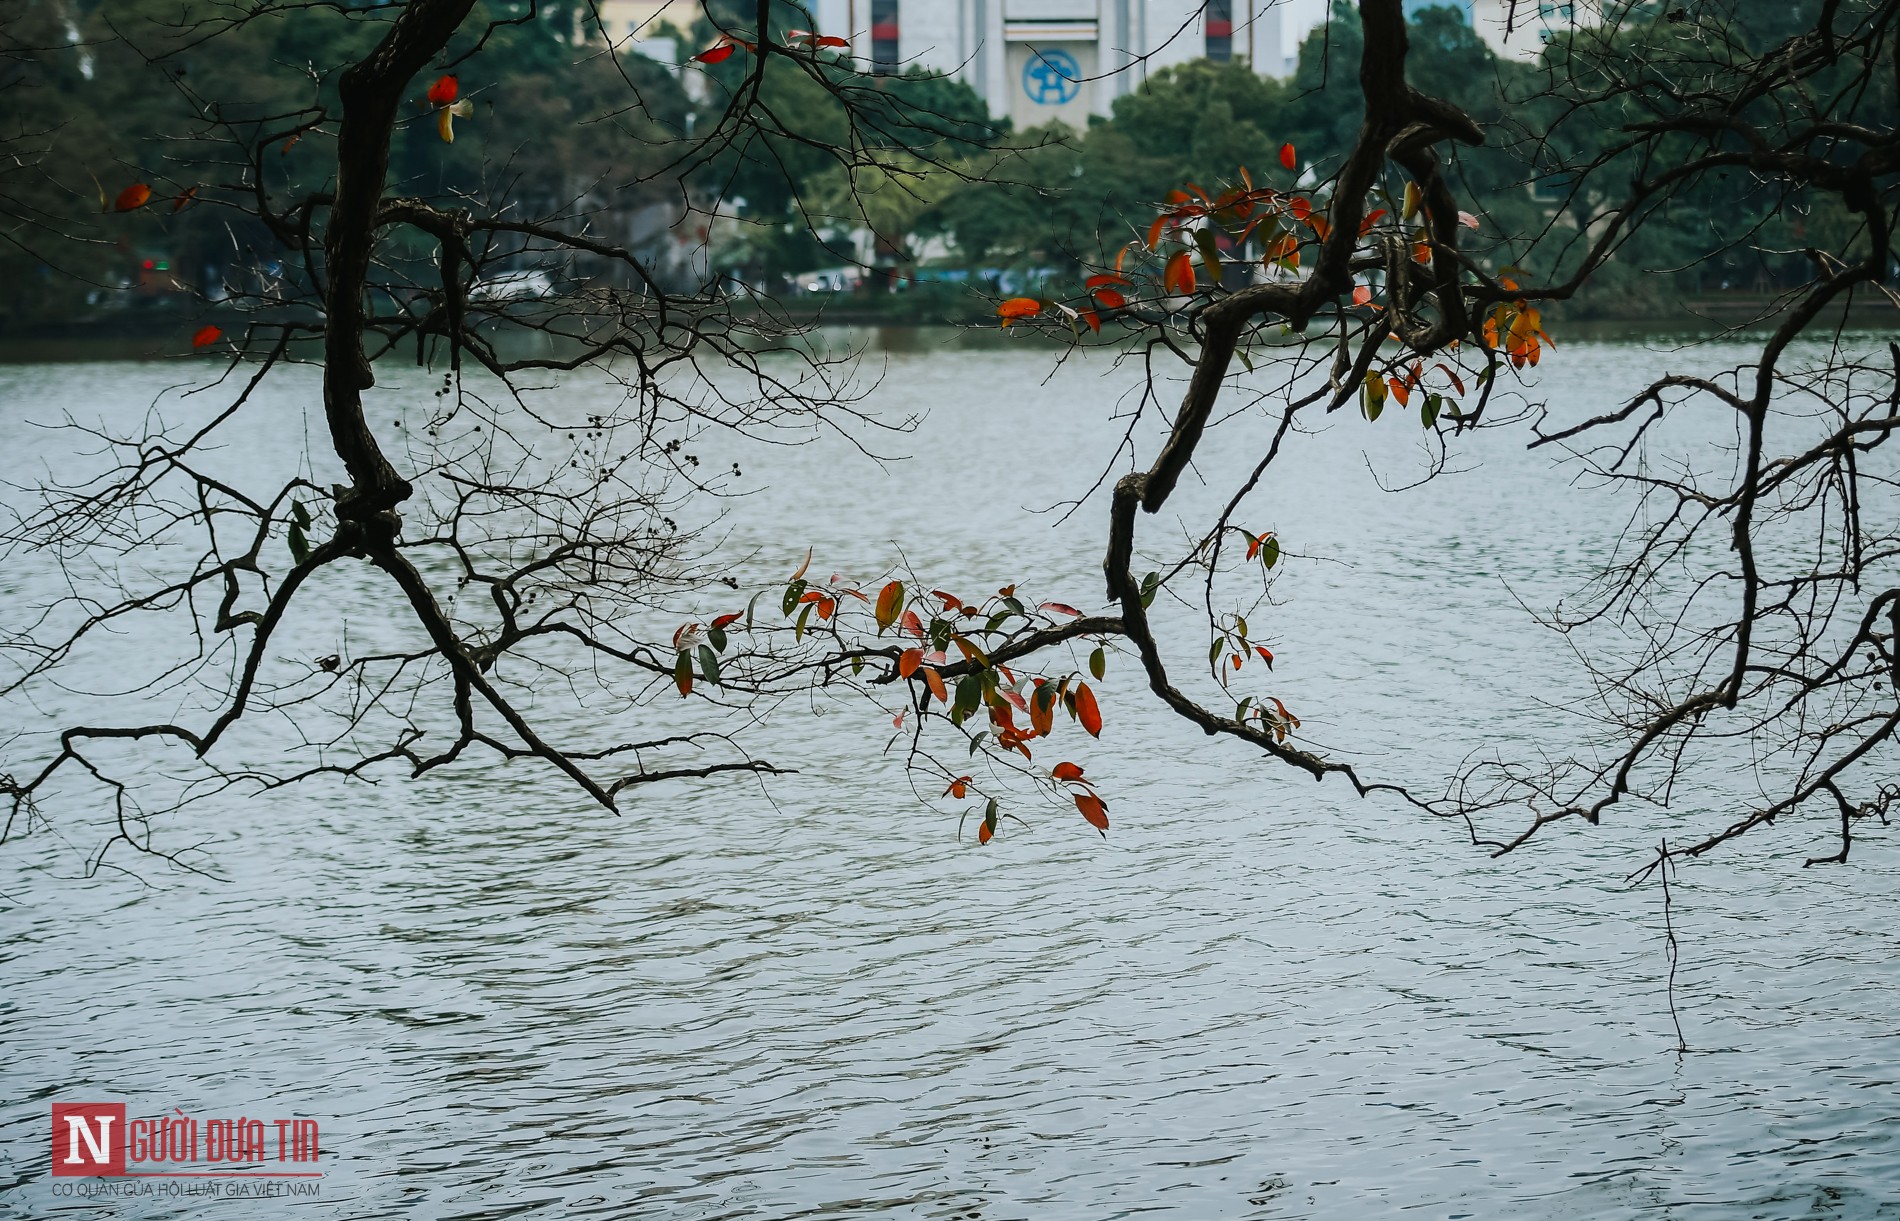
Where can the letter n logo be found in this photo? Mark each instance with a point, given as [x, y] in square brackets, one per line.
[88, 1138]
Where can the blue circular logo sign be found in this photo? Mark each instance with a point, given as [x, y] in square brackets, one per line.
[1051, 77]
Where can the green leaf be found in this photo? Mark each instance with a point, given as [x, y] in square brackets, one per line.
[940, 630]
[976, 740]
[1270, 552]
[299, 543]
[1372, 395]
[989, 816]
[1149, 584]
[1098, 663]
[1213, 650]
[299, 514]
[798, 629]
[1210, 253]
[793, 593]
[857, 666]
[995, 621]
[709, 664]
[717, 635]
[969, 697]
[1428, 414]
[1240, 624]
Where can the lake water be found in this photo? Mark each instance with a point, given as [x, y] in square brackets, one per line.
[1257, 998]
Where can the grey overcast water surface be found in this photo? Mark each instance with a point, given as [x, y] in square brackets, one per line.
[1257, 998]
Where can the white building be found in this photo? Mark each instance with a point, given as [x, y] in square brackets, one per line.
[1038, 60]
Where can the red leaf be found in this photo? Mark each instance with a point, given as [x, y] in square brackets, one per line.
[184, 197]
[1372, 218]
[1068, 771]
[911, 624]
[1110, 298]
[718, 53]
[445, 90]
[723, 620]
[1467, 220]
[1288, 157]
[683, 674]
[1265, 655]
[1092, 320]
[832, 40]
[1094, 810]
[1106, 277]
[134, 196]
[1361, 295]
[1301, 207]
[206, 336]
[1087, 712]
[1179, 277]
[1061, 608]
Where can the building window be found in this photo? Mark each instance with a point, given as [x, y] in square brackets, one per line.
[1220, 30]
[884, 57]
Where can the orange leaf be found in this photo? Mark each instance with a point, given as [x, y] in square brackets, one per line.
[1098, 280]
[134, 196]
[206, 336]
[1288, 158]
[888, 600]
[1400, 390]
[1360, 296]
[1087, 712]
[983, 832]
[444, 90]
[1068, 771]
[1421, 252]
[1179, 277]
[184, 197]
[908, 661]
[1017, 308]
[1110, 298]
[718, 53]
[1372, 218]
[1301, 207]
[958, 787]
[934, 681]
[1042, 708]
[1154, 230]
[1094, 809]
[804, 566]
[1265, 655]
